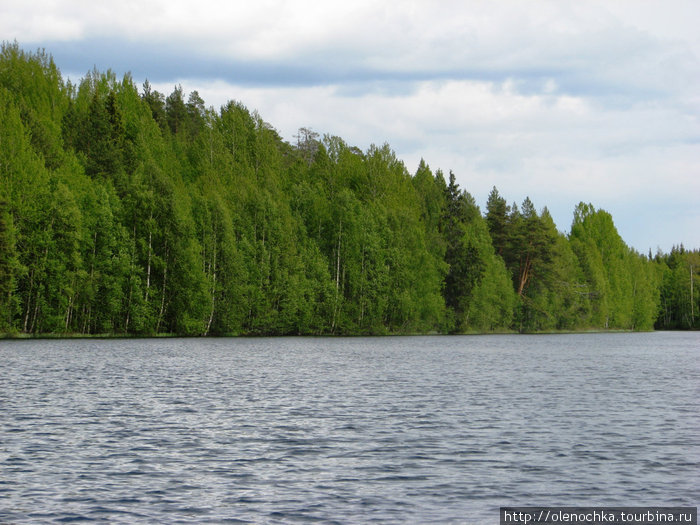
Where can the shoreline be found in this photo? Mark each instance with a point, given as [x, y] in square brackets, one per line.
[23, 336]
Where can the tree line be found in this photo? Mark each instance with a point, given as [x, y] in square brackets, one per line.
[126, 211]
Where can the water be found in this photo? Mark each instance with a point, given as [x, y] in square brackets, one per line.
[347, 430]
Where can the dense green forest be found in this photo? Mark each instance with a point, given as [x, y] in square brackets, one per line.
[126, 211]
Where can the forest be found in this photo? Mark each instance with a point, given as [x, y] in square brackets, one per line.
[128, 211]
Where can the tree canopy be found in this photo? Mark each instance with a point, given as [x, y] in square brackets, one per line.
[128, 211]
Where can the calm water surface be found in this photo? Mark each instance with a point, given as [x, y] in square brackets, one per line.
[347, 430]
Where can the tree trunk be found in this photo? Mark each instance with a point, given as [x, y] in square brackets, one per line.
[524, 276]
[131, 284]
[692, 299]
[148, 266]
[213, 290]
[337, 278]
[162, 299]
[29, 301]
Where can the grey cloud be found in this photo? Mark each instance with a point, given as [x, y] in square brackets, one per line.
[609, 67]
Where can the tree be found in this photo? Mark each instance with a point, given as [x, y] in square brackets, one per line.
[463, 270]
[176, 110]
[492, 301]
[156, 103]
[307, 144]
[9, 268]
[532, 245]
[678, 294]
[131, 212]
[624, 289]
[497, 221]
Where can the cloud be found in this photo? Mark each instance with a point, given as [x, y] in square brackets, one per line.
[491, 133]
[584, 47]
[562, 101]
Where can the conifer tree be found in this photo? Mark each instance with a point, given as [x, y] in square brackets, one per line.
[141, 214]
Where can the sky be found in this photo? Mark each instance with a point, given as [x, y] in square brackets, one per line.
[560, 101]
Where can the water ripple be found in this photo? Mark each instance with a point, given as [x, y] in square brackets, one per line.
[386, 430]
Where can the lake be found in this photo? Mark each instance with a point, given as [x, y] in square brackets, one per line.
[436, 429]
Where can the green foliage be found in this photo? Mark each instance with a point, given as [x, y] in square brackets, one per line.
[492, 300]
[34, 83]
[477, 290]
[679, 298]
[9, 268]
[623, 285]
[132, 212]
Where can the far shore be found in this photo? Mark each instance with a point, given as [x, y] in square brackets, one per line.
[21, 336]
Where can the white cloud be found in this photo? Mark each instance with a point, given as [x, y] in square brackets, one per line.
[37, 21]
[447, 36]
[561, 101]
[558, 149]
